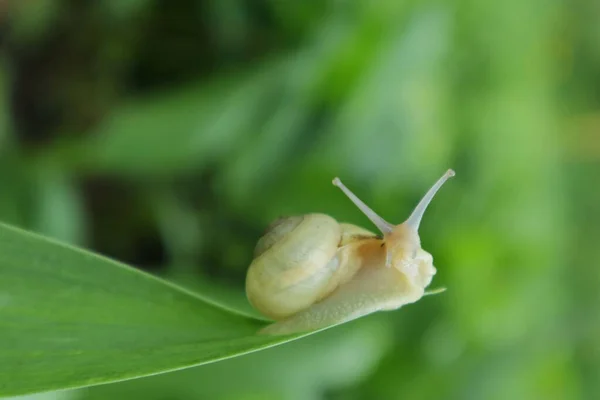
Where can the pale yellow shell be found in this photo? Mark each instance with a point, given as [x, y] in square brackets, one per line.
[310, 272]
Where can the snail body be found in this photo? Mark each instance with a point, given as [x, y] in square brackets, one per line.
[311, 271]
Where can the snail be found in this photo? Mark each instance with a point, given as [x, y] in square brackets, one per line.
[310, 272]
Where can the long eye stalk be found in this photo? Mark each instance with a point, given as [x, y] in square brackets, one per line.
[381, 224]
[415, 218]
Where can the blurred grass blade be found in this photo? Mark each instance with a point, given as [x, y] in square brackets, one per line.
[69, 318]
[179, 130]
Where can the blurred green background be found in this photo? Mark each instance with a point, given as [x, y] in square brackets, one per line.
[168, 134]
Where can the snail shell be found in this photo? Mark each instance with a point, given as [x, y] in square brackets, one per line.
[310, 272]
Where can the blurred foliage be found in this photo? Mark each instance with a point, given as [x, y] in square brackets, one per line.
[169, 134]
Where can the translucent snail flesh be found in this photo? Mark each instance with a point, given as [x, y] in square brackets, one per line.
[310, 271]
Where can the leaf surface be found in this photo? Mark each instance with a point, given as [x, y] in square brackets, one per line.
[70, 318]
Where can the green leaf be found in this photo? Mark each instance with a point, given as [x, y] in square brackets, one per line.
[303, 369]
[180, 130]
[70, 318]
